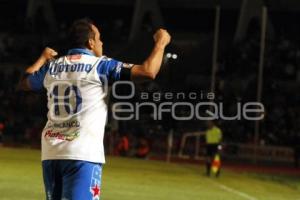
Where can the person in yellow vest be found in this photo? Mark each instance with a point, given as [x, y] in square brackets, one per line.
[213, 138]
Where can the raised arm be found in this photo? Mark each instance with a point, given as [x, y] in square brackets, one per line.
[151, 66]
[47, 54]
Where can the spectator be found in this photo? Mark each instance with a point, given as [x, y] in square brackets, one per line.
[143, 148]
[122, 148]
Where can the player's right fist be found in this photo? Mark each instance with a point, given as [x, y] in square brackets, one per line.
[162, 37]
[49, 53]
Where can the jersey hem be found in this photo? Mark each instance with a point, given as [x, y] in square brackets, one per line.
[73, 158]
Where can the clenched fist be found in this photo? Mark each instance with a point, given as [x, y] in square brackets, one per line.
[48, 53]
[162, 37]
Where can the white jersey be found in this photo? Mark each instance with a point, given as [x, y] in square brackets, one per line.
[76, 86]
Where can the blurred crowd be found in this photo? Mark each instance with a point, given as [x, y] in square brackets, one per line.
[22, 115]
[237, 79]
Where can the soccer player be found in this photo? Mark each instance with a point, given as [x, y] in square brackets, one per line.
[72, 140]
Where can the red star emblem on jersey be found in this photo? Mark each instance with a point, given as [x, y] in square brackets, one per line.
[96, 191]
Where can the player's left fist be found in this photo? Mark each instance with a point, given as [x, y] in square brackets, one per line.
[49, 53]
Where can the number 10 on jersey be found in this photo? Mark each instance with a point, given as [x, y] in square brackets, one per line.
[65, 97]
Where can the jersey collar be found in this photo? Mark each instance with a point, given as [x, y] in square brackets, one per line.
[80, 51]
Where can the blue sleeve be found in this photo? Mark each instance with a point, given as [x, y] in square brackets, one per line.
[111, 69]
[37, 78]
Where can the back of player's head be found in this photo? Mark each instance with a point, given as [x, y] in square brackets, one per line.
[80, 32]
[210, 123]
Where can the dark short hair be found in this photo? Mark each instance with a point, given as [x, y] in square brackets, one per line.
[80, 32]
